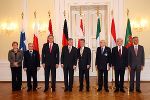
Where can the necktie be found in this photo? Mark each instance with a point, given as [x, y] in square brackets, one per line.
[81, 51]
[119, 51]
[69, 49]
[102, 50]
[31, 53]
[136, 50]
[50, 49]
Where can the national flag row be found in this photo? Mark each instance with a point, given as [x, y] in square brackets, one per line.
[128, 37]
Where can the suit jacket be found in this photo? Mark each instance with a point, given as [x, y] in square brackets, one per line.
[31, 61]
[85, 58]
[50, 59]
[15, 58]
[136, 60]
[119, 62]
[69, 59]
[103, 59]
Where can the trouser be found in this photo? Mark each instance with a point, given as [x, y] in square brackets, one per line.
[101, 80]
[83, 73]
[32, 73]
[136, 71]
[16, 77]
[68, 72]
[119, 84]
[49, 69]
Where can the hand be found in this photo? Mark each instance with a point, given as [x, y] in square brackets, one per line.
[96, 67]
[43, 65]
[108, 68]
[38, 68]
[16, 64]
[88, 66]
[62, 65]
[142, 68]
[74, 67]
[129, 68]
[57, 65]
[25, 69]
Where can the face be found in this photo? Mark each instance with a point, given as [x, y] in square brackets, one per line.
[70, 42]
[15, 46]
[51, 39]
[119, 42]
[30, 46]
[82, 43]
[135, 41]
[102, 43]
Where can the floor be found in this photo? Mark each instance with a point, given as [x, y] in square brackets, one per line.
[7, 94]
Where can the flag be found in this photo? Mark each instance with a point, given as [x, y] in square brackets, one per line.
[113, 34]
[128, 37]
[50, 27]
[35, 38]
[65, 34]
[81, 32]
[22, 45]
[98, 32]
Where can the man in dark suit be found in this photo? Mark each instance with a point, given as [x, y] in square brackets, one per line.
[136, 61]
[50, 61]
[103, 63]
[68, 63]
[84, 56]
[119, 63]
[31, 64]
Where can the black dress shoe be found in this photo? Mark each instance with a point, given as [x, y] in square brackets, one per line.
[46, 89]
[87, 90]
[106, 90]
[117, 90]
[34, 89]
[122, 90]
[66, 90]
[70, 90]
[131, 90]
[139, 91]
[53, 89]
[80, 90]
[98, 90]
[29, 90]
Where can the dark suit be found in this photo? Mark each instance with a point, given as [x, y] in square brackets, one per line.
[102, 59]
[31, 62]
[84, 60]
[120, 62]
[50, 59]
[68, 59]
[135, 62]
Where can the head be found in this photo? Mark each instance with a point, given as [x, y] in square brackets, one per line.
[50, 38]
[30, 46]
[82, 42]
[15, 45]
[70, 42]
[135, 40]
[119, 42]
[102, 43]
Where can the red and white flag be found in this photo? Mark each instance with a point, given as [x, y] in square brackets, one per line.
[113, 34]
[35, 38]
[50, 27]
[81, 32]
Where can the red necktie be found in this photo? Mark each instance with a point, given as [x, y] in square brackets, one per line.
[50, 48]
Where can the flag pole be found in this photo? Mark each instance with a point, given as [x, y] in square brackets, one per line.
[22, 16]
[128, 69]
[112, 85]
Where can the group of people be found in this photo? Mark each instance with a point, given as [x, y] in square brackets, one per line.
[119, 58]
